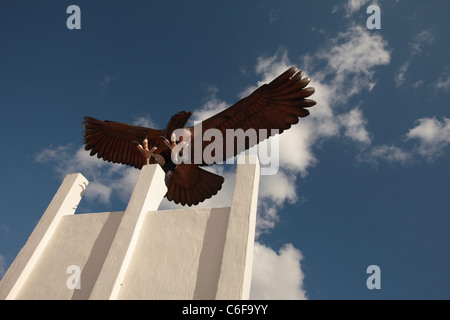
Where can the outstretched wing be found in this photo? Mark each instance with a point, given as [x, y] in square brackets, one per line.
[114, 141]
[277, 105]
[190, 185]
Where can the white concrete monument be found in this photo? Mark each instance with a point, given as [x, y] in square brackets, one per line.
[140, 253]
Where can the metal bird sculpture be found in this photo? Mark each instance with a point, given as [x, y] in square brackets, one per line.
[277, 105]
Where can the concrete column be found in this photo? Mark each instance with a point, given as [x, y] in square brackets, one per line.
[64, 203]
[147, 195]
[236, 271]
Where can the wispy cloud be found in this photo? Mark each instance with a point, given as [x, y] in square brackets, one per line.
[430, 137]
[106, 80]
[5, 229]
[400, 75]
[105, 83]
[443, 82]
[145, 121]
[422, 40]
[385, 153]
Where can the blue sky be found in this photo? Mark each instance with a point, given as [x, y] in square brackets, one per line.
[364, 180]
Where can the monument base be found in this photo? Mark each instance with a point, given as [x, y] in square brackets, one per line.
[140, 253]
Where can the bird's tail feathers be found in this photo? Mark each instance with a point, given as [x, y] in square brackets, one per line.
[190, 185]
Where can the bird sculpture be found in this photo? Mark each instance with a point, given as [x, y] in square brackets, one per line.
[275, 106]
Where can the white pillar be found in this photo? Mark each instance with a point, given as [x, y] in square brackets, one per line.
[64, 203]
[147, 195]
[236, 271]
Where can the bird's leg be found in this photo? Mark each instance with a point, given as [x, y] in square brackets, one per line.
[151, 154]
[144, 150]
[147, 153]
[158, 158]
[173, 144]
[177, 149]
[181, 145]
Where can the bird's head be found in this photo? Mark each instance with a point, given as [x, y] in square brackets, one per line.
[183, 115]
[178, 120]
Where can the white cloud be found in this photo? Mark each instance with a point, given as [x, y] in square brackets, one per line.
[145, 121]
[105, 178]
[211, 106]
[443, 82]
[432, 136]
[51, 154]
[296, 154]
[65, 159]
[98, 191]
[350, 60]
[277, 276]
[355, 126]
[350, 7]
[271, 67]
[431, 131]
[126, 181]
[268, 68]
[386, 153]
[278, 188]
[355, 5]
